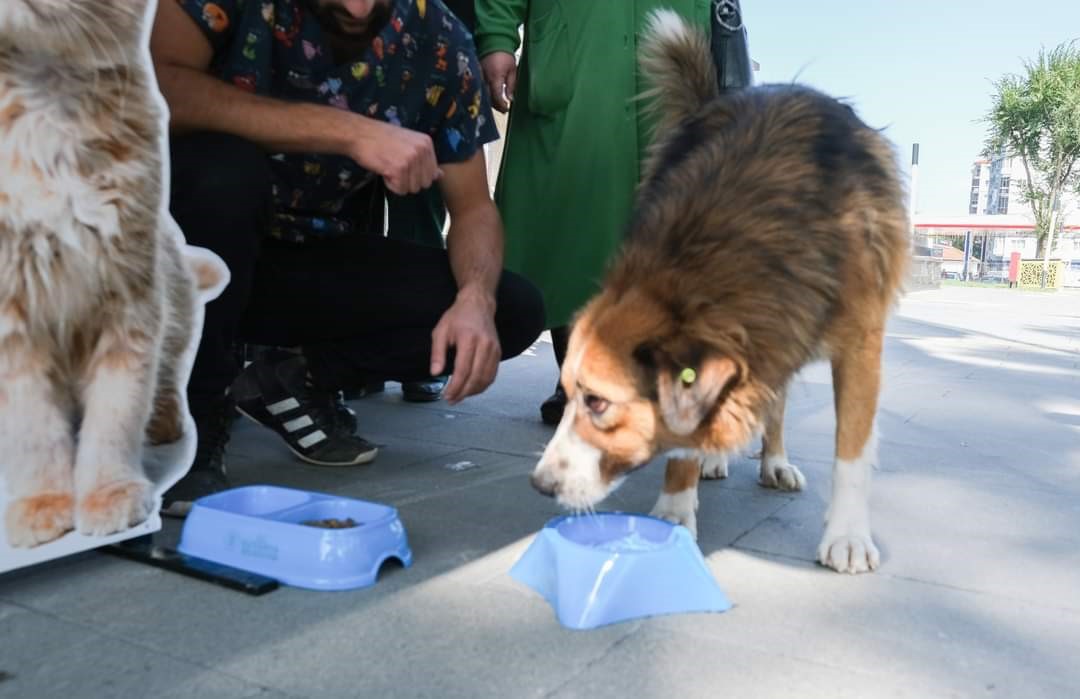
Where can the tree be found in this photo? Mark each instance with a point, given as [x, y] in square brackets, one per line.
[1035, 116]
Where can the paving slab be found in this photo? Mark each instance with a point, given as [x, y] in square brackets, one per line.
[976, 507]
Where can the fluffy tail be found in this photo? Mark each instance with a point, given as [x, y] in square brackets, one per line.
[676, 61]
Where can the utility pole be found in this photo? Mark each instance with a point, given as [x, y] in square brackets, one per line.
[967, 256]
[914, 188]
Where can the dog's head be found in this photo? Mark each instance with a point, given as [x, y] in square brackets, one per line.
[638, 382]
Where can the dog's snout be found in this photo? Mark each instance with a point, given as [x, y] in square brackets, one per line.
[543, 483]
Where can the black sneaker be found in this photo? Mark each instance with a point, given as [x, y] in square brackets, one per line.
[551, 410]
[279, 395]
[344, 416]
[424, 391]
[213, 418]
[369, 388]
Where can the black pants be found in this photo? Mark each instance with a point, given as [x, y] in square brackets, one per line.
[362, 307]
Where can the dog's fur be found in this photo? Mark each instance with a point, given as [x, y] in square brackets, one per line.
[769, 230]
[98, 301]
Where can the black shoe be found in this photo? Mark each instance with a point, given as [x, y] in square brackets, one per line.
[213, 419]
[345, 419]
[423, 391]
[369, 388]
[551, 410]
[344, 416]
[279, 395]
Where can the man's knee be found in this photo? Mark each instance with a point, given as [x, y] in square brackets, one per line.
[520, 316]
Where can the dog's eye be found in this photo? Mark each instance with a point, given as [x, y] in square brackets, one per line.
[596, 404]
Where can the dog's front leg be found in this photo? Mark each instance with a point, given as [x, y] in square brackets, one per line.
[847, 545]
[678, 499]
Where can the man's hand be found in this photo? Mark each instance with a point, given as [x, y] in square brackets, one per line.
[404, 158]
[500, 73]
[469, 327]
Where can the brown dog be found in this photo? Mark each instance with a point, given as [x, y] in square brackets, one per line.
[770, 230]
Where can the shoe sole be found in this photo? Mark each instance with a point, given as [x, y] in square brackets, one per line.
[420, 397]
[365, 458]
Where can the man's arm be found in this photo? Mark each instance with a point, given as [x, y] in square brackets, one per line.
[475, 246]
[475, 239]
[199, 101]
[497, 25]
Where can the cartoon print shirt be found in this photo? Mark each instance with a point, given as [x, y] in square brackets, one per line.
[420, 72]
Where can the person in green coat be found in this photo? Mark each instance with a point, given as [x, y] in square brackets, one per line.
[576, 135]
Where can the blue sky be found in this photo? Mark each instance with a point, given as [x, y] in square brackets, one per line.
[922, 69]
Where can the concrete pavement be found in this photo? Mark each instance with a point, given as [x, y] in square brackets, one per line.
[976, 508]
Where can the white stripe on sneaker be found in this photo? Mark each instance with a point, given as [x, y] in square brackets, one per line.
[299, 423]
[283, 405]
[313, 438]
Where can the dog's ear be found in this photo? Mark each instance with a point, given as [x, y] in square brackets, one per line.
[688, 390]
[209, 271]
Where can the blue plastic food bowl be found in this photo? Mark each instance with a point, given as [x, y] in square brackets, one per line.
[603, 568]
[259, 528]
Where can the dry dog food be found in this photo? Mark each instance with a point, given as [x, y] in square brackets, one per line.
[331, 523]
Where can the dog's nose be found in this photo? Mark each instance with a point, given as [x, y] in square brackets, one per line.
[543, 483]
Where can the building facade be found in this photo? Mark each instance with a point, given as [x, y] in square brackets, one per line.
[997, 188]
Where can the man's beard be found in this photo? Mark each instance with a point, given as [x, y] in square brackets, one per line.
[332, 24]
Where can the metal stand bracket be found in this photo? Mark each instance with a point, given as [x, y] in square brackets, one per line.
[143, 550]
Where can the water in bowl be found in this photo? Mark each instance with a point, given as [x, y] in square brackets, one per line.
[633, 541]
[616, 532]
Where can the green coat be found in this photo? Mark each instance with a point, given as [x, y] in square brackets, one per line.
[575, 139]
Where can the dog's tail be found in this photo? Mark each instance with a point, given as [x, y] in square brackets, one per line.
[677, 63]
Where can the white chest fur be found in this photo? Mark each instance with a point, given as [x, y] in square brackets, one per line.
[40, 140]
[62, 197]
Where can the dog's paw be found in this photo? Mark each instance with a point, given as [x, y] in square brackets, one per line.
[714, 466]
[849, 549]
[39, 519]
[114, 507]
[778, 473]
[680, 508]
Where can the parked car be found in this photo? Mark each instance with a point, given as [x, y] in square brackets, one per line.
[995, 271]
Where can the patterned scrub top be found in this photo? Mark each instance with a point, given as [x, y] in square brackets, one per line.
[420, 72]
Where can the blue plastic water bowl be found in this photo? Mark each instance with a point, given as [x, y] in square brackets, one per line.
[259, 528]
[608, 567]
